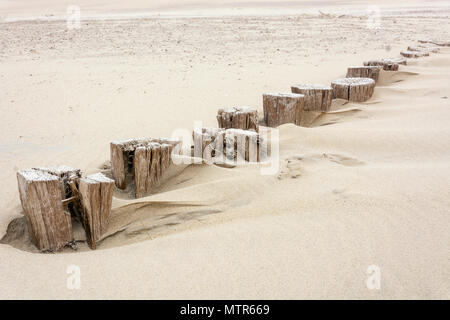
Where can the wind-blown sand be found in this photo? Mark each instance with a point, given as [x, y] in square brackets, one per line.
[366, 184]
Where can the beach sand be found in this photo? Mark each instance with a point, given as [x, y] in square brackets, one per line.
[366, 184]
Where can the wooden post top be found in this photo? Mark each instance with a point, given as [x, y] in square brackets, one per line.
[36, 175]
[96, 178]
[353, 81]
[237, 109]
[365, 67]
[284, 95]
[311, 87]
[132, 144]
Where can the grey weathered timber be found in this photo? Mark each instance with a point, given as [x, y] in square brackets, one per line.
[95, 193]
[372, 72]
[145, 159]
[317, 97]
[245, 118]
[280, 108]
[353, 89]
[42, 194]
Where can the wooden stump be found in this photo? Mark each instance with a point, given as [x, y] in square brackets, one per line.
[51, 196]
[414, 54]
[441, 43]
[208, 143]
[425, 47]
[398, 60]
[317, 97]
[95, 192]
[42, 195]
[372, 72]
[420, 48]
[280, 108]
[150, 163]
[353, 89]
[242, 145]
[146, 159]
[214, 145]
[121, 152]
[245, 118]
[388, 64]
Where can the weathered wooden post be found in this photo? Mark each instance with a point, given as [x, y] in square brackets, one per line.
[388, 64]
[242, 145]
[372, 72]
[43, 194]
[145, 159]
[280, 108]
[441, 43]
[414, 54]
[208, 144]
[424, 48]
[51, 196]
[353, 89]
[213, 144]
[245, 118]
[119, 161]
[317, 97]
[95, 192]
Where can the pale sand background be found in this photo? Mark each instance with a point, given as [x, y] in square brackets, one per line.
[371, 187]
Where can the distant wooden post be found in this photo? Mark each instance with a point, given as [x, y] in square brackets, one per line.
[422, 48]
[245, 118]
[317, 97]
[388, 64]
[414, 54]
[353, 89]
[95, 192]
[441, 43]
[146, 159]
[42, 195]
[372, 72]
[280, 108]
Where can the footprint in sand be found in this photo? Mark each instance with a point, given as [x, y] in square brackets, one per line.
[345, 161]
[293, 167]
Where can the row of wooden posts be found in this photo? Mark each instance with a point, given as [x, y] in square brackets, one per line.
[52, 196]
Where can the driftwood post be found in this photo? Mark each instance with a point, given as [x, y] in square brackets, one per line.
[353, 89]
[208, 144]
[317, 97]
[212, 144]
[280, 108]
[441, 43]
[145, 159]
[388, 64]
[424, 48]
[42, 195]
[245, 118]
[119, 163]
[51, 196]
[95, 192]
[414, 54]
[372, 72]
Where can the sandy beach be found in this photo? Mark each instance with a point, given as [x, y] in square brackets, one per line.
[364, 184]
